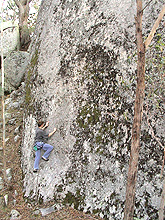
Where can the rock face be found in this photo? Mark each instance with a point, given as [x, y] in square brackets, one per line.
[15, 66]
[81, 79]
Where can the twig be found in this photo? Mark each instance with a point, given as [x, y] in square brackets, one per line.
[8, 28]
[146, 5]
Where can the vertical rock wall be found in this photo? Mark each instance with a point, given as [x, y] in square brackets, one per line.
[82, 79]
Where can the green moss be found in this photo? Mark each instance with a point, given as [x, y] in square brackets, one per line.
[28, 90]
[96, 211]
[99, 139]
[88, 116]
[60, 188]
[40, 200]
[34, 59]
[100, 151]
[76, 199]
[113, 196]
[29, 80]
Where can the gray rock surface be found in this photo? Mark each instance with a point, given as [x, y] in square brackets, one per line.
[82, 79]
[15, 66]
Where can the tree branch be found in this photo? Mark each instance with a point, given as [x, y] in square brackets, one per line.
[151, 35]
[8, 28]
[17, 3]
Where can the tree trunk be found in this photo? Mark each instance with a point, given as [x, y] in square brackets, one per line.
[136, 129]
[23, 6]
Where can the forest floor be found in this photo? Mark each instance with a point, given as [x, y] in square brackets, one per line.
[14, 187]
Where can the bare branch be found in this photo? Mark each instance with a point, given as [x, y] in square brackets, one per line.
[151, 35]
[146, 5]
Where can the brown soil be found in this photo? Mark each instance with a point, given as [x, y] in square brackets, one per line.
[13, 161]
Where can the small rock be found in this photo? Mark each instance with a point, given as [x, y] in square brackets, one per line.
[16, 138]
[15, 105]
[14, 214]
[1, 201]
[1, 183]
[6, 139]
[37, 212]
[12, 121]
[47, 211]
[16, 193]
[17, 130]
[23, 85]
[8, 174]
[6, 200]
[14, 202]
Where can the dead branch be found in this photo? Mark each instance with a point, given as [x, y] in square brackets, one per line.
[8, 28]
[157, 22]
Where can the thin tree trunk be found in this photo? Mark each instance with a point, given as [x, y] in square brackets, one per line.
[136, 130]
[138, 112]
[23, 6]
[3, 103]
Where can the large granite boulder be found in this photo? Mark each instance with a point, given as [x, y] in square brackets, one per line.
[15, 66]
[82, 79]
